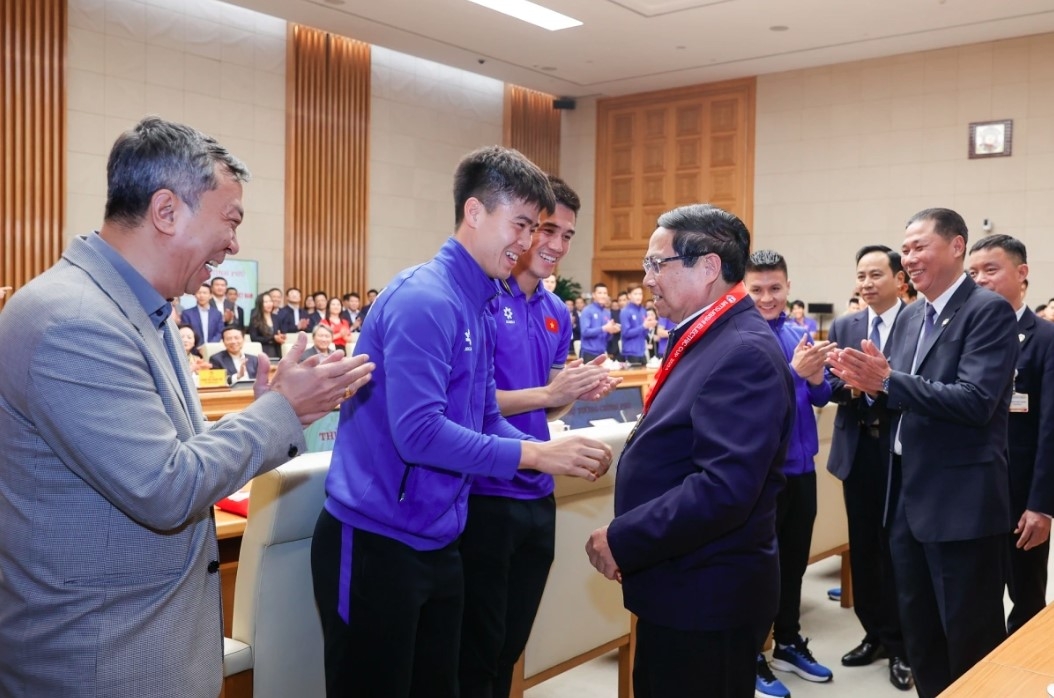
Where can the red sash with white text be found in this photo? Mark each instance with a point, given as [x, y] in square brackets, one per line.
[693, 334]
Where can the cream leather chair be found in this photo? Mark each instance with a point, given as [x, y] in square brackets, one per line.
[249, 348]
[277, 634]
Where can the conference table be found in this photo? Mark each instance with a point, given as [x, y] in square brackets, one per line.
[1021, 667]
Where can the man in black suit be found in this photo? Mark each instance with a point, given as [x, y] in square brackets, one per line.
[694, 535]
[292, 317]
[950, 375]
[859, 457]
[204, 318]
[319, 313]
[238, 312]
[1000, 263]
[239, 365]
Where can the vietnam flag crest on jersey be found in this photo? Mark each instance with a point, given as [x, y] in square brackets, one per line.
[552, 325]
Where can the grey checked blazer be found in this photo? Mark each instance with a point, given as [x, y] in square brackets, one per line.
[108, 473]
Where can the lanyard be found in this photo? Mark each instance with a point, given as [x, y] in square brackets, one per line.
[694, 333]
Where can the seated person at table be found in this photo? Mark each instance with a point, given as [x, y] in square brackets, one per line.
[192, 346]
[239, 366]
[322, 339]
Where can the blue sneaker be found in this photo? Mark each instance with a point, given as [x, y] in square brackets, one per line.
[835, 594]
[798, 659]
[767, 685]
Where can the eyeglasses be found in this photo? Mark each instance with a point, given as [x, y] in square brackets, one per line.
[654, 264]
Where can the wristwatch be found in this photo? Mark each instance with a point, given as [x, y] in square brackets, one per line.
[885, 383]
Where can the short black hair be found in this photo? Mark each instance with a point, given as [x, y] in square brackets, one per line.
[228, 328]
[496, 175]
[231, 288]
[946, 222]
[767, 260]
[798, 304]
[701, 229]
[600, 284]
[564, 194]
[1011, 245]
[895, 264]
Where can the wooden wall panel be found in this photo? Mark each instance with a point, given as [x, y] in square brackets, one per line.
[660, 150]
[532, 126]
[327, 158]
[32, 137]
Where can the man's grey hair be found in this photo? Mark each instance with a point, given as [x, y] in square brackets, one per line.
[159, 154]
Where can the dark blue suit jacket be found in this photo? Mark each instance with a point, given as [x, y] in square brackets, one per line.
[849, 331]
[284, 320]
[1032, 447]
[694, 532]
[214, 331]
[222, 359]
[954, 410]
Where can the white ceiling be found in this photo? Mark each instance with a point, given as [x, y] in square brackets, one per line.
[627, 46]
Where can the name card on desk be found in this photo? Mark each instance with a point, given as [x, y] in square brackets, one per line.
[212, 378]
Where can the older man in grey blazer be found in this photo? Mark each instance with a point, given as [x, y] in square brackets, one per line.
[108, 471]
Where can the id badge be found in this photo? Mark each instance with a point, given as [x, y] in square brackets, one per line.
[1019, 402]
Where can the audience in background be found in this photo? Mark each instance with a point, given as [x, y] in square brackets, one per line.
[263, 327]
[799, 318]
[596, 324]
[334, 320]
[292, 318]
[322, 342]
[233, 359]
[204, 318]
[635, 328]
[353, 311]
[238, 317]
[320, 300]
[371, 296]
[192, 346]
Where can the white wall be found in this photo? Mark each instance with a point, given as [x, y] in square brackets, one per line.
[425, 118]
[578, 164]
[214, 66]
[847, 153]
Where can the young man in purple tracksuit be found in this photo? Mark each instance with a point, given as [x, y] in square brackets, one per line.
[385, 559]
[509, 540]
[767, 283]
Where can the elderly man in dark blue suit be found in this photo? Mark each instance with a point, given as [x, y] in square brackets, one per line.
[694, 539]
[1000, 263]
[950, 376]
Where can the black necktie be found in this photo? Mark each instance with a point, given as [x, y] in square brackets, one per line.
[876, 338]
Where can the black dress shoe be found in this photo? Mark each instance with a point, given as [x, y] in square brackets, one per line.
[863, 654]
[900, 674]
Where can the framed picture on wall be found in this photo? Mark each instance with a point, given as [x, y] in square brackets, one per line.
[991, 139]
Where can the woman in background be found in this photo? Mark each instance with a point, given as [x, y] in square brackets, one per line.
[192, 346]
[336, 323]
[262, 326]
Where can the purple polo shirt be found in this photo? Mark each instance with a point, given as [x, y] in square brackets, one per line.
[533, 337]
